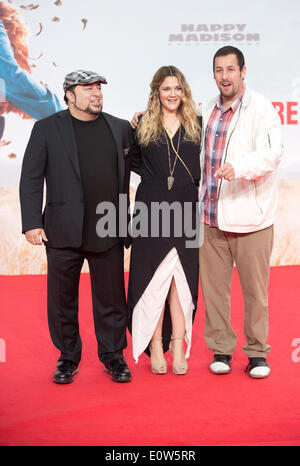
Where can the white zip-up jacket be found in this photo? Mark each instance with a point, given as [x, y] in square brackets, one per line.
[254, 149]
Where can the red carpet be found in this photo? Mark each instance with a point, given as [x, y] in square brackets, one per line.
[197, 409]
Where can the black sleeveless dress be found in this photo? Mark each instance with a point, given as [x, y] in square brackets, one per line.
[153, 163]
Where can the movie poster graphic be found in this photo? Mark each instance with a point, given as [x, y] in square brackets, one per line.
[127, 42]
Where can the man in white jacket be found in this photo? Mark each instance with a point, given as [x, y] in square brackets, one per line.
[241, 150]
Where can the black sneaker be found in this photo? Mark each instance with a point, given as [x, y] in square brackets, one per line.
[221, 364]
[258, 368]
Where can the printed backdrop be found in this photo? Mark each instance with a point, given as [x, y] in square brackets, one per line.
[127, 41]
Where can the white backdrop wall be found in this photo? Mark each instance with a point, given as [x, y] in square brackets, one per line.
[127, 41]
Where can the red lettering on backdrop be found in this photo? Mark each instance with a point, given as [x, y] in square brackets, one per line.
[287, 112]
[279, 107]
[291, 112]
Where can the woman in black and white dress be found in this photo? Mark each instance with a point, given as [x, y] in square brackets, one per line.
[163, 278]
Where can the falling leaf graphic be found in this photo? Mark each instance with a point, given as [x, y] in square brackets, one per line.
[29, 7]
[40, 30]
[37, 58]
[84, 22]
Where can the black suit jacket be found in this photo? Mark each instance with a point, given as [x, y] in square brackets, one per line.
[51, 156]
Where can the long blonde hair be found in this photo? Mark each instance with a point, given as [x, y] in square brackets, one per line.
[151, 124]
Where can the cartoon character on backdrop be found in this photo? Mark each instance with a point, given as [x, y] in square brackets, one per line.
[22, 94]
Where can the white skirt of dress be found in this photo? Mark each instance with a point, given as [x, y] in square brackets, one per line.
[148, 309]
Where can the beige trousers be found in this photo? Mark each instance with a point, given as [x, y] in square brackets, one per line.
[251, 253]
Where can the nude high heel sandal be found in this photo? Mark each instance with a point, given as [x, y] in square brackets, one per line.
[178, 368]
[157, 366]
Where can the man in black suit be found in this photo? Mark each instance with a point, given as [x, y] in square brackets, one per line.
[81, 154]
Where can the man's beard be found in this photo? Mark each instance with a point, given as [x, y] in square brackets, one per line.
[89, 110]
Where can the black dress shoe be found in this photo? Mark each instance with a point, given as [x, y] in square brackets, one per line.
[118, 370]
[65, 371]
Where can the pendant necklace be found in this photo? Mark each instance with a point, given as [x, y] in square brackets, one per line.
[171, 178]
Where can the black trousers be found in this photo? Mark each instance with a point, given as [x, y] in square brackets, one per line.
[108, 296]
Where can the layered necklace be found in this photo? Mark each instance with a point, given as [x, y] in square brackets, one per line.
[171, 178]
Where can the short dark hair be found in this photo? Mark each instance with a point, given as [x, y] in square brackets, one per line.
[71, 89]
[228, 50]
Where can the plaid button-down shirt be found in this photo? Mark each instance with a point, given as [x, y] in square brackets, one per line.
[215, 140]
